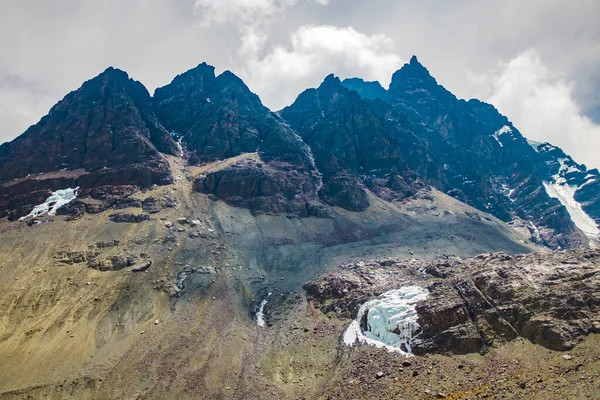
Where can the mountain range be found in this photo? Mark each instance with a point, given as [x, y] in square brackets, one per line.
[195, 244]
[331, 147]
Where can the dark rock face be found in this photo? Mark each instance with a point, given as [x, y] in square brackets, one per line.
[272, 188]
[551, 299]
[345, 192]
[354, 147]
[107, 123]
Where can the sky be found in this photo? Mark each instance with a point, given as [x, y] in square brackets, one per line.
[537, 61]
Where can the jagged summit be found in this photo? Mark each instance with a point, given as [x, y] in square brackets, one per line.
[331, 79]
[203, 77]
[112, 71]
[412, 70]
[354, 134]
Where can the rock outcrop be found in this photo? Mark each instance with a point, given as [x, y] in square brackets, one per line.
[551, 299]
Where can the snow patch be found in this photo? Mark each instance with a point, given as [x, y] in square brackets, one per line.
[53, 203]
[587, 183]
[180, 147]
[505, 129]
[391, 321]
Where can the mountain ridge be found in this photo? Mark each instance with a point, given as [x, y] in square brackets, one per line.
[398, 140]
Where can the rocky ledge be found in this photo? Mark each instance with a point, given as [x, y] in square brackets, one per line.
[550, 299]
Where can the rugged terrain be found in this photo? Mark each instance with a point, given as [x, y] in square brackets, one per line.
[202, 246]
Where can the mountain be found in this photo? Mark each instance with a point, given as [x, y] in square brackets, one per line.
[217, 118]
[356, 149]
[486, 161]
[195, 244]
[104, 133]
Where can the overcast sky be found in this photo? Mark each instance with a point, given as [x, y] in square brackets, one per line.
[537, 61]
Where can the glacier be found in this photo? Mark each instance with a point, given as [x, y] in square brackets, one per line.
[391, 321]
[54, 202]
[560, 189]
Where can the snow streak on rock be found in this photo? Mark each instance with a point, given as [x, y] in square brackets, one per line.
[391, 321]
[505, 129]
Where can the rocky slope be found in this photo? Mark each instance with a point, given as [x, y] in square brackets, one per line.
[156, 296]
[475, 304]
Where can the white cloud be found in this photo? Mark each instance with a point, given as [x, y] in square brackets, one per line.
[244, 12]
[544, 109]
[20, 108]
[315, 52]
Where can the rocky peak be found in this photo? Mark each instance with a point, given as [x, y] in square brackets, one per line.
[331, 81]
[108, 122]
[354, 147]
[200, 79]
[487, 162]
[103, 134]
[413, 70]
[367, 90]
[219, 117]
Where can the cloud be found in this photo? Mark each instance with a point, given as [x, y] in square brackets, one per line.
[315, 52]
[246, 12]
[544, 109]
[238, 12]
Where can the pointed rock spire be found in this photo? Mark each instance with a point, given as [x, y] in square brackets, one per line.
[413, 70]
